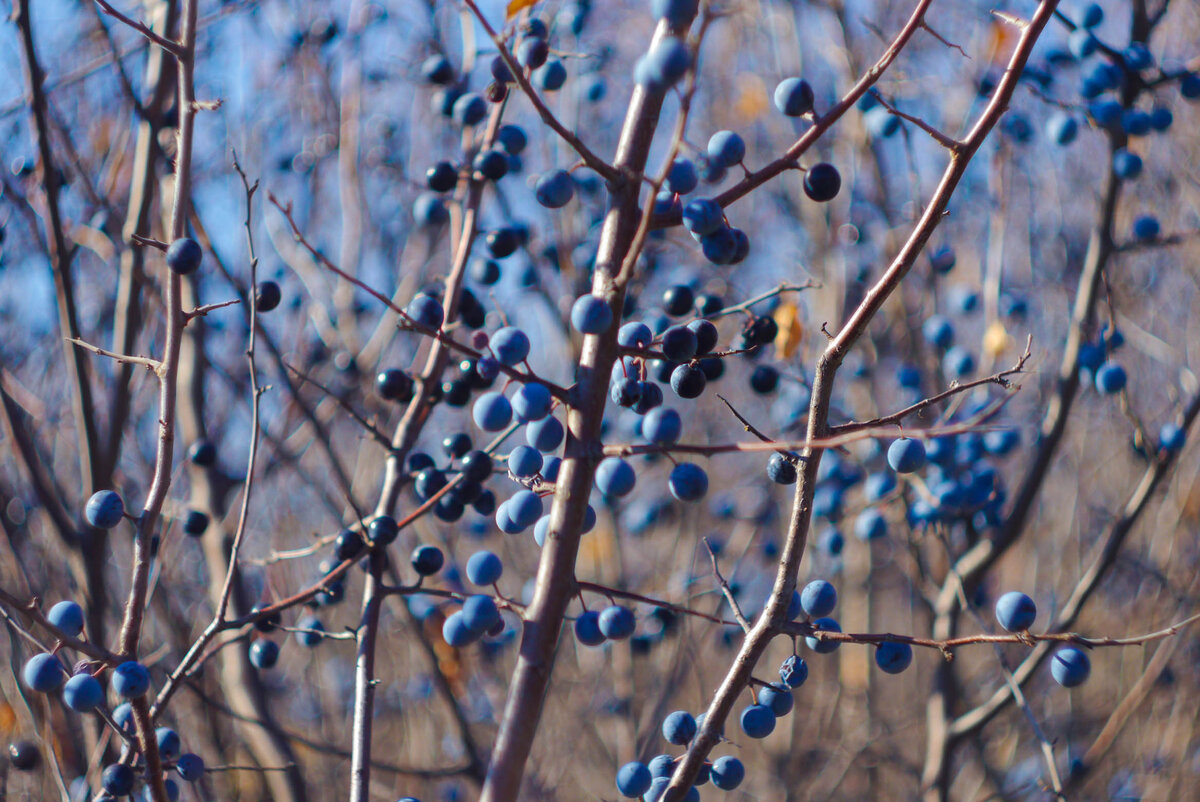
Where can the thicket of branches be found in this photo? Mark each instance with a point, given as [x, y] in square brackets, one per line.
[296, 297]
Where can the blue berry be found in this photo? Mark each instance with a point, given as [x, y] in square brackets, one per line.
[168, 740]
[67, 616]
[758, 721]
[123, 717]
[664, 65]
[1081, 43]
[184, 256]
[870, 524]
[1070, 667]
[793, 672]
[524, 461]
[118, 779]
[682, 177]
[727, 772]
[881, 123]
[1171, 437]
[1146, 228]
[456, 632]
[777, 698]
[190, 767]
[426, 311]
[1062, 128]
[531, 402]
[437, 69]
[545, 435]
[491, 164]
[1127, 165]
[703, 216]
[662, 426]
[726, 148]
[634, 335]
[625, 392]
[1110, 378]
[1161, 118]
[781, 470]
[677, 13]
[532, 52]
[480, 613]
[591, 315]
[906, 455]
[428, 210]
[43, 673]
[195, 523]
[510, 345]
[794, 97]
[615, 477]
[688, 482]
[822, 182]
[104, 509]
[819, 645]
[892, 657]
[492, 412]
[679, 343]
[469, 109]
[484, 568]
[1092, 16]
[83, 693]
[617, 622]
[633, 779]
[264, 654]
[938, 331]
[679, 728]
[310, 638]
[551, 76]
[130, 679]
[1137, 57]
[720, 247]
[524, 508]
[959, 362]
[587, 629]
[1015, 611]
[555, 189]
[427, 560]
[818, 599]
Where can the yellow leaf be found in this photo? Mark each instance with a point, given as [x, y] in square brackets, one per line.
[791, 330]
[996, 339]
[515, 7]
[750, 100]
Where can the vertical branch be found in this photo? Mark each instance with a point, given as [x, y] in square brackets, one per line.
[556, 569]
[775, 613]
[60, 255]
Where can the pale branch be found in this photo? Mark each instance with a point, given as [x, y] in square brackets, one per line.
[1000, 378]
[948, 142]
[725, 589]
[153, 365]
[617, 593]
[439, 335]
[176, 49]
[603, 168]
[377, 435]
[755, 643]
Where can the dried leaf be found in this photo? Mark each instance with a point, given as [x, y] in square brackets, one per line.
[791, 330]
[515, 7]
[996, 340]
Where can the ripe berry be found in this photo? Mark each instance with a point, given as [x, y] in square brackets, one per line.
[190, 767]
[726, 148]
[554, 189]
[818, 599]
[104, 509]
[892, 657]
[382, 530]
[67, 616]
[587, 629]
[823, 646]
[510, 345]
[591, 315]
[24, 755]
[551, 76]
[43, 673]
[615, 477]
[633, 780]
[678, 300]
[688, 381]
[679, 728]
[484, 568]
[688, 482]
[906, 455]
[83, 693]
[822, 182]
[662, 426]
[793, 672]
[758, 721]
[1070, 667]
[1015, 611]
[184, 255]
[469, 109]
[727, 773]
[679, 343]
[264, 654]
[118, 779]
[794, 97]
[267, 296]
[394, 384]
[130, 679]
[202, 453]
[492, 412]
[437, 70]
[781, 470]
